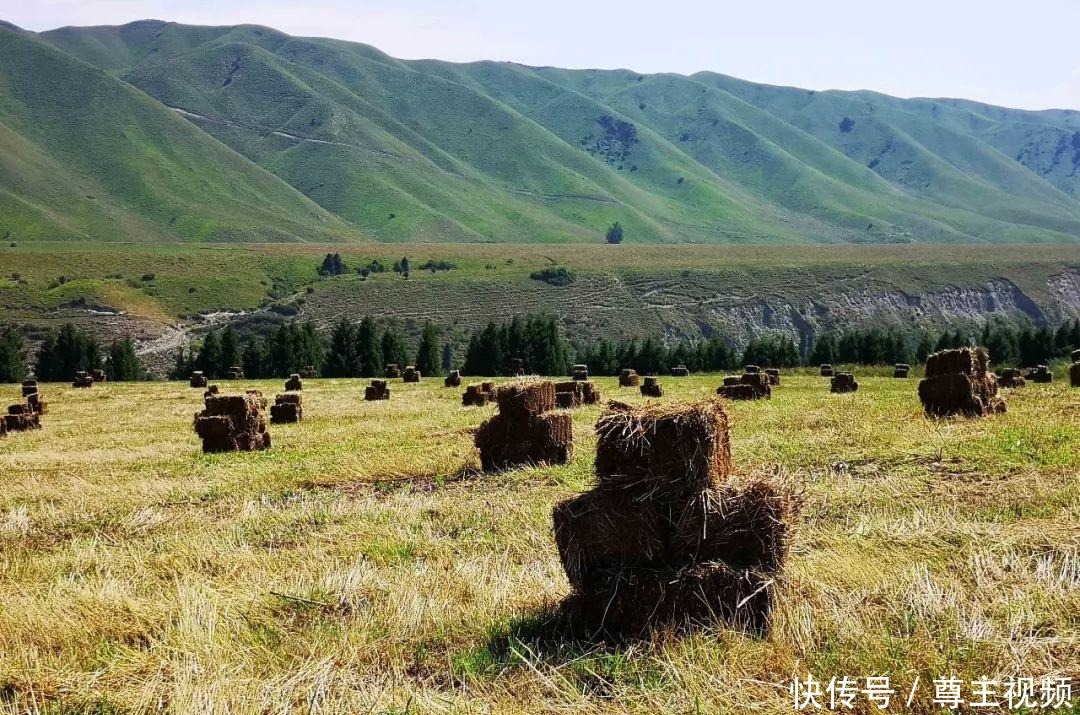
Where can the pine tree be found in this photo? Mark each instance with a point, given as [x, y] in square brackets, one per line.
[209, 357]
[12, 364]
[122, 364]
[368, 354]
[229, 350]
[427, 356]
[341, 356]
[392, 347]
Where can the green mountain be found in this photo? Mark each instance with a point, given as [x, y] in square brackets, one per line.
[375, 147]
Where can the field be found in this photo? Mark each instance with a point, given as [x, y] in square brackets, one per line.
[364, 565]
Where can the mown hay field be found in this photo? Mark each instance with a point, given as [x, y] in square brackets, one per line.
[363, 564]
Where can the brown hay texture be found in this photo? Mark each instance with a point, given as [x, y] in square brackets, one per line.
[575, 393]
[773, 374]
[393, 371]
[198, 379]
[959, 382]
[650, 387]
[83, 379]
[476, 396]
[20, 417]
[33, 396]
[826, 370]
[751, 386]
[235, 373]
[377, 390]
[525, 431]
[453, 379]
[29, 387]
[1074, 373]
[751, 369]
[843, 382]
[629, 378]
[287, 408]
[901, 370]
[233, 423]
[580, 372]
[410, 374]
[1011, 377]
[680, 371]
[294, 383]
[664, 541]
[1040, 373]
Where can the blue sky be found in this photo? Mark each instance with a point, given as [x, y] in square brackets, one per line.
[1019, 54]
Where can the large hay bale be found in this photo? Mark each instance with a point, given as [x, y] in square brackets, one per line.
[37, 403]
[453, 379]
[580, 372]
[525, 398]
[590, 394]
[83, 379]
[659, 447]
[826, 370]
[235, 373]
[294, 383]
[377, 390]
[680, 371]
[198, 379]
[629, 378]
[773, 374]
[475, 396]
[21, 421]
[1074, 373]
[231, 423]
[393, 371]
[843, 382]
[730, 380]
[29, 387]
[750, 386]
[287, 408]
[410, 374]
[508, 441]
[1041, 374]
[739, 392]
[1011, 377]
[651, 387]
[901, 370]
[959, 382]
[99, 375]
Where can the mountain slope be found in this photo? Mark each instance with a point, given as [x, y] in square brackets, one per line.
[428, 150]
[84, 155]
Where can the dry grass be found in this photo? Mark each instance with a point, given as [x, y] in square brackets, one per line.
[363, 565]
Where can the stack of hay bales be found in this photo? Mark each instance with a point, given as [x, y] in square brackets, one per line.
[751, 369]
[629, 377]
[478, 395]
[901, 369]
[843, 382]
[410, 374]
[1074, 369]
[83, 379]
[453, 379]
[1040, 373]
[21, 417]
[308, 372]
[233, 423]
[664, 540]
[294, 383]
[773, 374]
[751, 386]
[575, 393]
[33, 396]
[198, 379]
[650, 387]
[525, 431]
[377, 390]
[826, 370]
[680, 371]
[580, 372]
[235, 373]
[393, 371]
[99, 375]
[1011, 377]
[286, 408]
[959, 382]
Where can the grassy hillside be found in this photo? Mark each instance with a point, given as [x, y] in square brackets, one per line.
[84, 155]
[433, 151]
[362, 564]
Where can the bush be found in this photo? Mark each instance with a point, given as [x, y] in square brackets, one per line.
[614, 233]
[560, 276]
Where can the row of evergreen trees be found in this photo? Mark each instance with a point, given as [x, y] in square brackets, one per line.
[67, 351]
[364, 350]
[288, 349]
[536, 341]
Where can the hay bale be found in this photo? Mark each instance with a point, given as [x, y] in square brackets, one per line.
[843, 382]
[680, 371]
[901, 370]
[1041, 374]
[198, 379]
[231, 423]
[660, 447]
[751, 369]
[590, 394]
[308, 372]
[99, 376]
[651, 387]
[475, 396]
[377, 390]
[730, 380]
[235, 373]
[83, 379]
[410, 374]
[1076, 355]
[393, 371]
[287, 408]
[739, 392]
[1074, 373]
[773, 374]
[1011, 377]
[507, 441]
[569, 394]
[959, 382]
[453, 379]
[521, 399]
[826, 370]
[750, 386]
[294, 383]
[37, 403]
[629, 378]
[21, 421]
[580, 372]
[29, 387]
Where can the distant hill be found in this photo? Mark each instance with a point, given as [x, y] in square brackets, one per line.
[325, 140]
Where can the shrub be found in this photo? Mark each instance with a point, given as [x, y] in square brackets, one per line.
[560, 276]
